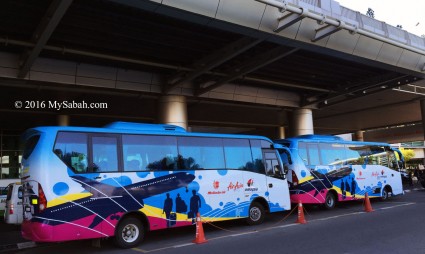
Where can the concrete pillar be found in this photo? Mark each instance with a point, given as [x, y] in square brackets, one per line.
[423, 115]
[63, 120]
[423, 121]
[173, 110]
[281, 132]
[302, 122]
[282, 120]
[358, 136]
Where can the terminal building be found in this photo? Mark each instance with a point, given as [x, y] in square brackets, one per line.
[266, 67]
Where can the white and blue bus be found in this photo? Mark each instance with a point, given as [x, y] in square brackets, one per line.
[127, 178]
[327, 169]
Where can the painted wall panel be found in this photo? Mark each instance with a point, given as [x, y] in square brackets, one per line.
[241, 12]
[389, 54]
[203, 7]
[367, 47]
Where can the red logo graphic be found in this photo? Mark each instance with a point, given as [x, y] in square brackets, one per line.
[216, 184]
[382, 172]
[250, 182]
[360, 173]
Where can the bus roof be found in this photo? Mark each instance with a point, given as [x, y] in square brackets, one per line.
[326, 139]
[137, 128]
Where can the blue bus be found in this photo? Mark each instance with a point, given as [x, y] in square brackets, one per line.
[326, 169]
[129, 178]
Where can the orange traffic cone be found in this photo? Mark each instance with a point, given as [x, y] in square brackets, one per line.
[301, 218]
[367, 205]
[200, 237]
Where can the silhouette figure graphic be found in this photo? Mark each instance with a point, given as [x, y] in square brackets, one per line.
[168, 207]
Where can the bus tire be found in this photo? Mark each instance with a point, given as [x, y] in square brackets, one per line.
[330, 201]
[384, 195]
[129, 233]
[256, 214]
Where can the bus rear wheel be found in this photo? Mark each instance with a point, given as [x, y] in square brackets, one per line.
[129, 233]
[330, 201]
[256, 214]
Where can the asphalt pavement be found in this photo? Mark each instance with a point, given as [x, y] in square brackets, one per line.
[11, 240]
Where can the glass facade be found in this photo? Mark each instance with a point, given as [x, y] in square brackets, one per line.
[10, 154]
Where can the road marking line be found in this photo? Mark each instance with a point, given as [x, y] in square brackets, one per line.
[389, 207]
[281, 226]
[285, 226]
[140, 250]
[182, 245]
[338, 216]
[245, 233]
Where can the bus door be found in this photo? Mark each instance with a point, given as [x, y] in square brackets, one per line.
[277, 184]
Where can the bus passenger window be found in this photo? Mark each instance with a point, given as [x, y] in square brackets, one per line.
[133, 160]
[153, 152]
[302, 152]
[257, 165]
[71, 148]
[104, 154]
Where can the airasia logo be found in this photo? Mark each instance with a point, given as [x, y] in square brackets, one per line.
[250, 182]
[235, 186]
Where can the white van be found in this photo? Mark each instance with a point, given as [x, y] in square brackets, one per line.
[14, 213]
[3, 192]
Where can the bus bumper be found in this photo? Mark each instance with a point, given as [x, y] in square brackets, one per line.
[36, 232]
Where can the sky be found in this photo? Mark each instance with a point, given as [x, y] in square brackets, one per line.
[410, 14]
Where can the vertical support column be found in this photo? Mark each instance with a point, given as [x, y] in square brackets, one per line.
[173, 110]
[423, 122]
[282, 118]
[302, 122]
[358, 136]
[63, 120]
[281, 132]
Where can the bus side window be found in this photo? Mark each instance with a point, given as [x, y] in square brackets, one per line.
[71, 148]
[302, 152]
[257, 164]
[105, 154]
[133, 160]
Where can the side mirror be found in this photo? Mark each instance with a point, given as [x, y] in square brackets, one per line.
[278, 172]
[285, 170]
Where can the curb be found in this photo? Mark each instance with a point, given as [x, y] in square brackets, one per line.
[17, 246]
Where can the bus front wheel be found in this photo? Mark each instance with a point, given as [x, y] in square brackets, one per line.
[256, 214]
[129, 233]
[384, 194]
[330, 201]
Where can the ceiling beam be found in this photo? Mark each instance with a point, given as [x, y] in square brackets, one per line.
[211, 61]
[377, 88]
[257, 62]
[48, 24]
[344, 90]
